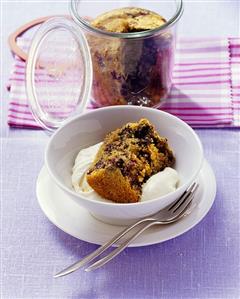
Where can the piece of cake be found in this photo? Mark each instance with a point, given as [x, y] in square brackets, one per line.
[127, 158]
[130, 71]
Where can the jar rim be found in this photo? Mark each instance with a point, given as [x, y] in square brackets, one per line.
[85, 25]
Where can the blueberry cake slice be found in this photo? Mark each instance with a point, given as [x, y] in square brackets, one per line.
[127, 158]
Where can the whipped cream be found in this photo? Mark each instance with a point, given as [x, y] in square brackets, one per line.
[82, 163]
[159, 184]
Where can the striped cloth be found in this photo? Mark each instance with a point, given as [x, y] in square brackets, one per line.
[205, 92]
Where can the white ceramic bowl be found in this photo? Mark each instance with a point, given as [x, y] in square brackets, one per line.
[90, 128]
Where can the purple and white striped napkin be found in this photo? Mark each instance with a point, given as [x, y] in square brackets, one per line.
[205, 92]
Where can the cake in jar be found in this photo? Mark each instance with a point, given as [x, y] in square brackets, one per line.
[130, 71]
[128, 157]
[129, 19]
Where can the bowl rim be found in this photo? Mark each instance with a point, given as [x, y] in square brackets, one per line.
[139, 203]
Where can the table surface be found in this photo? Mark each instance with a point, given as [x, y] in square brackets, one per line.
[202, 263]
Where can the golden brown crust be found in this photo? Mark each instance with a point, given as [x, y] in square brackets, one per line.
[110, 184]
[128, 19]
[126, 159]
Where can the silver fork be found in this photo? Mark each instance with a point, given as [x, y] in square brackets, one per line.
[170, 214]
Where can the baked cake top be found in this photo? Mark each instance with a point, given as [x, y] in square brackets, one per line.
[128, 19]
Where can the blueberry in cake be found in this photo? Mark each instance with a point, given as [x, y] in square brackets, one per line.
[128, 157]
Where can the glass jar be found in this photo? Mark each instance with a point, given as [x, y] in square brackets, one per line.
[133, 68]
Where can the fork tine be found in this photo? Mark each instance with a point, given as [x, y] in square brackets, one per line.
[184, 203]
[182, 211]
[182, 197]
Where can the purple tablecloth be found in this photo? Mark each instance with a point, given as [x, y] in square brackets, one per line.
[202, 263]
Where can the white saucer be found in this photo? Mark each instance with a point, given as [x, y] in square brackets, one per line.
[76, 221]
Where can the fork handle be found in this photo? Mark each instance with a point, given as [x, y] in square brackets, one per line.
[119, 249]
[101, 249]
